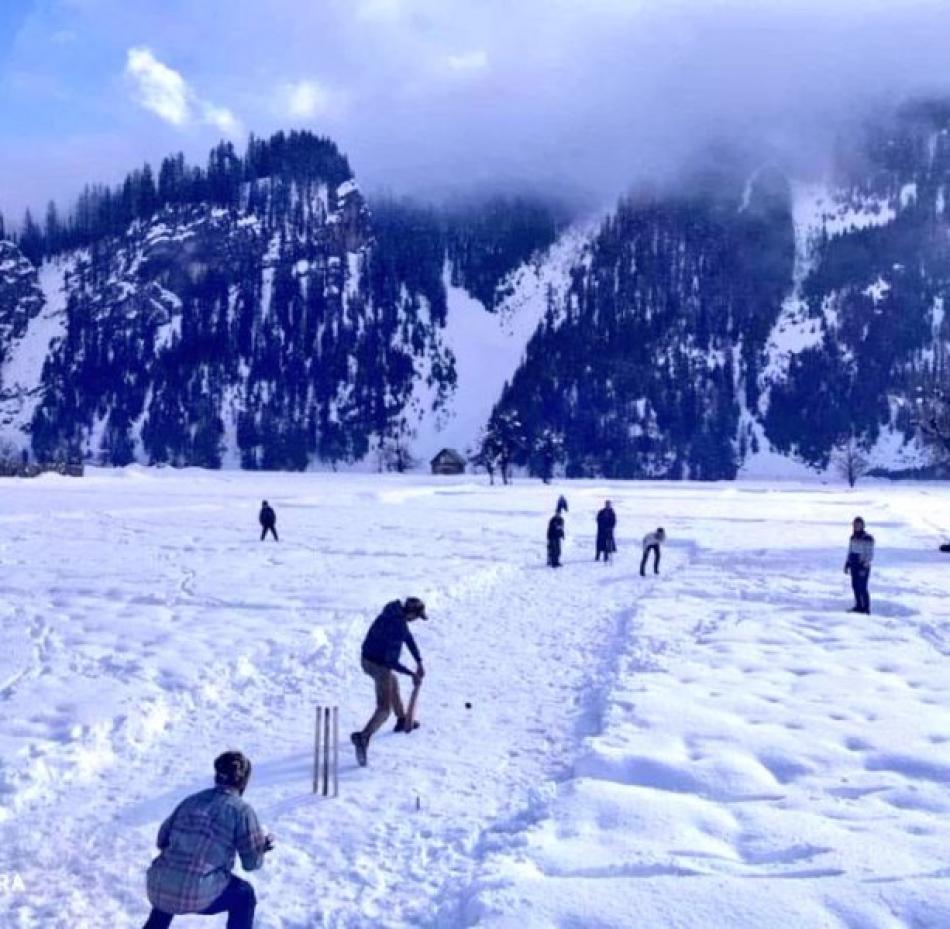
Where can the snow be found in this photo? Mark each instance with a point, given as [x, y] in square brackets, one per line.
[489, 347]
[878, 290]
[722, 745]
[23, 367]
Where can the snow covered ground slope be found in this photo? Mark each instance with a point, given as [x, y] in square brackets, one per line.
[722, 745]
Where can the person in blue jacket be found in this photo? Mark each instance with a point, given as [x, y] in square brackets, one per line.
[380, 660]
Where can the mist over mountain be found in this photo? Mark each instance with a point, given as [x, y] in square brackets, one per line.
[260, 312]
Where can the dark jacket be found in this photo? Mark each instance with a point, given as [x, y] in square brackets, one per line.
[555, 529]
[268, 517]
[606, 520]
[386, 636]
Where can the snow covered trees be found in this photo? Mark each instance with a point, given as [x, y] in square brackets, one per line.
[933, 420]
[499, 446]
[547, 454]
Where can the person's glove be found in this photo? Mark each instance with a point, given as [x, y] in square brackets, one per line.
[268, 843]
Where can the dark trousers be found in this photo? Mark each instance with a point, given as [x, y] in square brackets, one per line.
[656, 559]
[237, 900]
[606, 545]
[271, 529]
[859, 584]
[554, 554]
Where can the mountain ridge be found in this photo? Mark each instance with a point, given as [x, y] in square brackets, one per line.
[746, 324]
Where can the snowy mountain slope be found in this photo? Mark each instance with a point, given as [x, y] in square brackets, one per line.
[722, 745]
[822, 212]
[489, 346]
[259, 315]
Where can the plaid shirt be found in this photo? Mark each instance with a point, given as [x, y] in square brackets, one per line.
[198, 844]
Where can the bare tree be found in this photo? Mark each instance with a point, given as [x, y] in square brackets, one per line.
[10, 458]
[850, 461]
[485, 455]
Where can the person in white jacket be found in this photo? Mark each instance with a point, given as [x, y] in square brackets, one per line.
[651, 543]
[858, 565]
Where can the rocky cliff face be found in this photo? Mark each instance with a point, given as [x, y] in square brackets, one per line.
[21, 297]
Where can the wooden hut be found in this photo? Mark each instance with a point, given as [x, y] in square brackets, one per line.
[448, 461]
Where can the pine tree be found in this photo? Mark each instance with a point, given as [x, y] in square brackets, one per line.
[505, 436]
[548, 453]
[31, 239]
[53, 231]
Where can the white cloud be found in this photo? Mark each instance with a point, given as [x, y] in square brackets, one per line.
[221, 118]
[159, 88]
[306, 99]
[163, 91]
[469, 61]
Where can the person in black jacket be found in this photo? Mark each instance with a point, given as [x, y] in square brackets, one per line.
[606, 523]
[555, 535]
[268, 519]
[379, 658]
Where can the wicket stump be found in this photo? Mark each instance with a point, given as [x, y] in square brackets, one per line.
[326, 768]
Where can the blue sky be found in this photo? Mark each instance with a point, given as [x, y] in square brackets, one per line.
[440, 96]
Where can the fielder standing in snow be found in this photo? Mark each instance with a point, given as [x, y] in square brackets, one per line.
[651, 543]
[198, 844]
[606, 523]
[379, 659]
[858, 565]
[555, 537]
[268, 521]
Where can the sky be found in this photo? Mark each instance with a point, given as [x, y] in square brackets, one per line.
[435, 98]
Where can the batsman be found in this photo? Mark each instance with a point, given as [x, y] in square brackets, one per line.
[380, 660]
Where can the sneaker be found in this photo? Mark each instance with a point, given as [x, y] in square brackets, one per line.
[359, 743]
[400, 724]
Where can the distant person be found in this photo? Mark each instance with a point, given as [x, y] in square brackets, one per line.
[198, 844]
[858, 565]
[606, 523]
[561, 504]
[268, 519]
[945, 547]
[555, 537]
[651, 543]
[379, 658]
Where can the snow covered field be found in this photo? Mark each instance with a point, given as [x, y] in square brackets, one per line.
[722, 747]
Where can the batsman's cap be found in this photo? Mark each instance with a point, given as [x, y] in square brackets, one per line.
[415, 607]
[232, 769]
